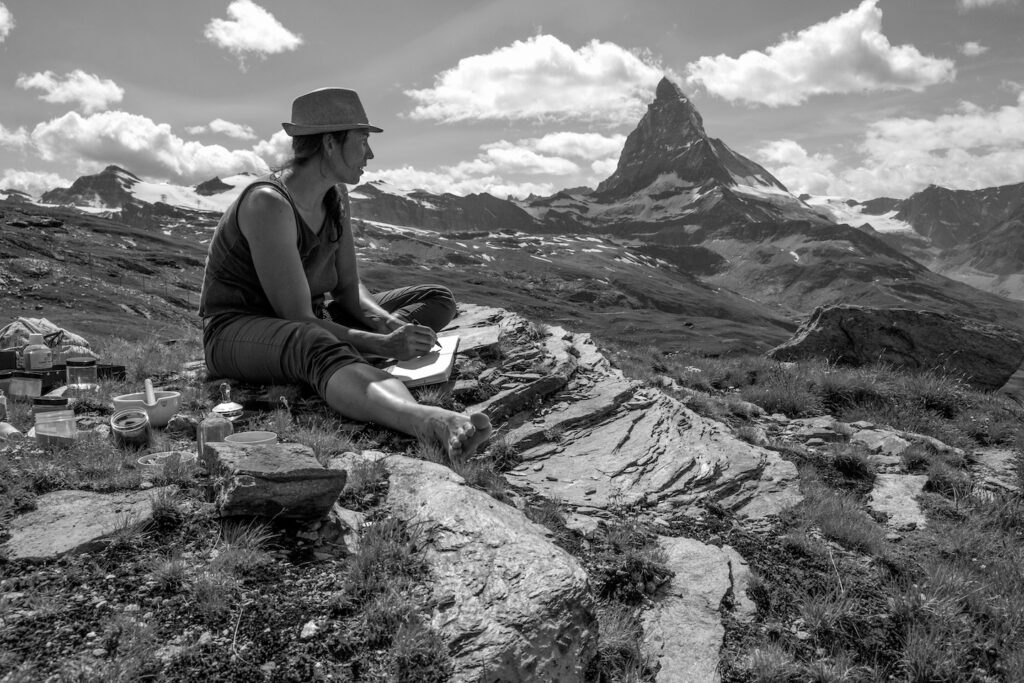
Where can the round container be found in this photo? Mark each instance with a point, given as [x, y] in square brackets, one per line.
[81, 374]
[130, 428]
[157, 461]
[47, 404]
[25, 384]
[256, 438]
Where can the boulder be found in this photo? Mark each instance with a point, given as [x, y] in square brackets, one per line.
[982, 354]
[274, 480]
[67, 521]
[512, 605]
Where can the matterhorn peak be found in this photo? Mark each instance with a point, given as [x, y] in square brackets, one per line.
[670, 141]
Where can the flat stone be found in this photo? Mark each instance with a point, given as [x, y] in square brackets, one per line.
[998, 467]
[273, 480]
[880, 441]
[75, 521]
[512, 605]
[895, 495]
[683, 630]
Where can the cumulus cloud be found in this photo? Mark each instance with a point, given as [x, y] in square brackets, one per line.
[799, 171]
[542, 78]
[845, 54]
[250, 30]
[13, 138]
[91, 92]
[31, 182]
[275, 151]
[968, 148]
[238, 131]
[528, 166]
[6, 22]
[137, 143]
[973, 4]
[972, 49]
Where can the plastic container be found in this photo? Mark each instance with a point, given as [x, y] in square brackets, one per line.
[37, 355]
[48, 404]
[82, 374]
[24, 385]
[214, 427]
[56, 428]
[130, 428]
[254, 438]
[9, 431]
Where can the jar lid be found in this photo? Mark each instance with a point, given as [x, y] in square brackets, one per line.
[50, 401]
[80, 362]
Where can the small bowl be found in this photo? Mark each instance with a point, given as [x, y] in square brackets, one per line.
[158, 460]
[252, 438]
[167, 403]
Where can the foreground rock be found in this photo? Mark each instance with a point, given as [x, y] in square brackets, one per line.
[895, 495]
[512, 605]
[277, 480]
[75, 521]
[599, 440]
[983, 354]
[683, 630]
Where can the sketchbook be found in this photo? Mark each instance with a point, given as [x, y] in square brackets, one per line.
[430, 368]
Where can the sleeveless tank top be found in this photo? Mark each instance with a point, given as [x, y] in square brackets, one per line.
[230, 283]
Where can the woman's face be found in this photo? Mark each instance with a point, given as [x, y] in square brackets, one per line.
[349, 158]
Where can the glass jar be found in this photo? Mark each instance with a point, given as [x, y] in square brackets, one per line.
[25, 385]
[81, 374]
[214, 427]
[48, 404]
[130, 428]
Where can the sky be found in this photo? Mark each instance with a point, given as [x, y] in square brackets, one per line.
[513, 97]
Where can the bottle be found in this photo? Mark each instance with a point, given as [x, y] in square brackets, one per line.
[37, 355]
[214, 427]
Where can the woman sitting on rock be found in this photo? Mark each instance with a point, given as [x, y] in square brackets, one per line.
[285, 243]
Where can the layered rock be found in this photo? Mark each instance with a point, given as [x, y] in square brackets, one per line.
[983, 354]
[108, 188]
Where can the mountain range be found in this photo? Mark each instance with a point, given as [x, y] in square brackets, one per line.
[685, 226]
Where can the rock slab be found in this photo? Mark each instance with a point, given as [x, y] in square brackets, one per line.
[67, 521]
[273, 480]
[512, 604]
[683, 631]
[983, 354]
[896, 496]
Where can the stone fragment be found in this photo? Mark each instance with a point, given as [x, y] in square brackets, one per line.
[273, 480]
[983, 354]
[895, 495]
[66, 521]
[512, 605]
[880, 441]
[683, 630]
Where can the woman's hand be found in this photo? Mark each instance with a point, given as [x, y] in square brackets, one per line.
[409, 341]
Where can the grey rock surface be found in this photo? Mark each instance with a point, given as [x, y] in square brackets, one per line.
[512, 605]
[66, 521]
[895, 495]
[983, 354]
[274, 480]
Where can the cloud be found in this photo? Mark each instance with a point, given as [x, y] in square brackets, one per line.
[232, 130]
[250, 30]
[139, 144]
[968, 148]
[845, 54]
[31, 182]
[275, 151]
[17, 139]
[974, 4]
[6, 22]
[799, 171]
[90, 91]
[542, 78]
[527, 166]
[972, 49]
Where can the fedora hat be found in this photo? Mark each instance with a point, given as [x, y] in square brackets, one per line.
[327, 110]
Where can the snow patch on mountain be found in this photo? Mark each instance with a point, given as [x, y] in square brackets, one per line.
[843, 212]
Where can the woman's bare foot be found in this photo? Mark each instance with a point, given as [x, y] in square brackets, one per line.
[459, 434]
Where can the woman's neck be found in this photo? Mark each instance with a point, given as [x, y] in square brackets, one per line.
[307, 186]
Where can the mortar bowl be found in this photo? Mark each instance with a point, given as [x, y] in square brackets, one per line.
[167, 403]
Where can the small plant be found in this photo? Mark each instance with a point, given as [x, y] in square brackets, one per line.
[418, 653]
[630, 565]
[948, 481]
[916, 457]
[366, 484]
[128, 533]
[325, 437]
[213, 594]
[771, 664]
[853, 462]
[167, 509]
[619, 639]
[169, 572]
[502, 453]
[241, 550]
[388, 557]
